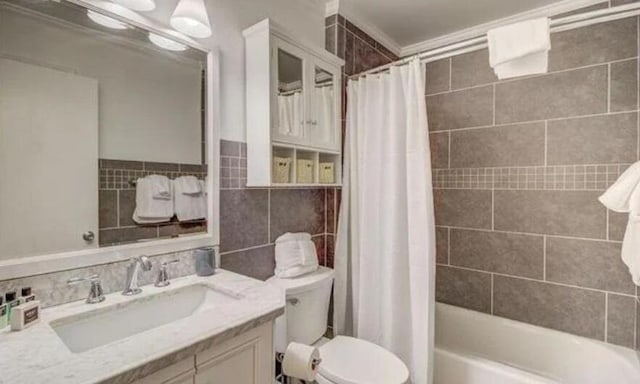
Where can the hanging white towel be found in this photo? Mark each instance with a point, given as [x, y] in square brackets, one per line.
[290, 114]
[520, 49]
[150, 209]
[624, 196]
[295, 255]
[160, 186]
[189, 207]
[189, 185]
[323, 104]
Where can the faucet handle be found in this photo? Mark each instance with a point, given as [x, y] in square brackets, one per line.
[78, 280]
[96, 293]
[163, 276]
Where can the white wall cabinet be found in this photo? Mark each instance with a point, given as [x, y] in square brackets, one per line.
[294, 101]
[245, 359]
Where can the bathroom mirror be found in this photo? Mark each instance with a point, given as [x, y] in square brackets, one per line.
[94, 99]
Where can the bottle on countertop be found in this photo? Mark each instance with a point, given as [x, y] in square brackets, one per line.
[12, 301]
[4, 314]
[27, 296]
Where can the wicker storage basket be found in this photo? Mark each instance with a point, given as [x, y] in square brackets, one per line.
[304, 170]
[281, 170]
[327, 174]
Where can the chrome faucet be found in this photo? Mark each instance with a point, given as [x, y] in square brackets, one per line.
[96, 295]
[137, 263]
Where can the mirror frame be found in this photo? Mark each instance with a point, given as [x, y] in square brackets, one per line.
[55, 262]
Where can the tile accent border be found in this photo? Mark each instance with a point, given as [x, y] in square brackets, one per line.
[564, 177]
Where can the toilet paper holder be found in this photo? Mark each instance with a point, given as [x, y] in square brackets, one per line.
[314, 362]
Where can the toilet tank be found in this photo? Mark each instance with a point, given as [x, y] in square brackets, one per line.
[307, 309]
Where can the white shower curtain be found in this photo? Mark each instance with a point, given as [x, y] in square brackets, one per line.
[385, 250]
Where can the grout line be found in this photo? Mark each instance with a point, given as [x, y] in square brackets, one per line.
[262, 246]
[606, 226]
[494, 104]
[609, 87]
[536, 76]
[544, 257]
[538, 280]
[576, 117]
[493, 210]
[532, 234]
[546, 141]
[606, 317]
[492, 280]
[448, 246]
[449, 151]
[450, 73]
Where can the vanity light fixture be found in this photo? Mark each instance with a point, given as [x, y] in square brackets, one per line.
[165, 43]
[190, 17]
[105, 21]
[137, 5]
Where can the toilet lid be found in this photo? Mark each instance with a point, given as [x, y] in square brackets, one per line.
[346, 360]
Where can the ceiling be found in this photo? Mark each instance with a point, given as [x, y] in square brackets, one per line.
[408, 22]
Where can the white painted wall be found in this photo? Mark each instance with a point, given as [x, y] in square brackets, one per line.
[149, 103]
[304, 18]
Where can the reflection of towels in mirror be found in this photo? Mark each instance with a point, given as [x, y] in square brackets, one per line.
[323, 113]
[189, 185]
[188, 206]
[150, 209]
[290, 113]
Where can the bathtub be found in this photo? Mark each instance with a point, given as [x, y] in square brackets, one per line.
[475, 348]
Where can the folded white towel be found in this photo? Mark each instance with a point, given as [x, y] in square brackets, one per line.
[160, 186]
[295, 255]
[190, 207]
[148, 208]
[520, 49]
[624, 196]
[189, 185]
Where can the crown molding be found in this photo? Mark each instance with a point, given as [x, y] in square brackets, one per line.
[336, 6]
[478, 30]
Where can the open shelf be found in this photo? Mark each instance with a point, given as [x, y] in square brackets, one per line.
[291, 166]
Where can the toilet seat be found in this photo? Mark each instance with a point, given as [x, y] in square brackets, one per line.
[347, 360]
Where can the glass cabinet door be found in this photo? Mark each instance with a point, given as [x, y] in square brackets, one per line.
[290, 114]
[321, 125]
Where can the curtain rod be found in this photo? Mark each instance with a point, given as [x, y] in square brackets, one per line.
[480, 42]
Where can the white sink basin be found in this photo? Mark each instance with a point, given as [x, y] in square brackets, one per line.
[90, 330]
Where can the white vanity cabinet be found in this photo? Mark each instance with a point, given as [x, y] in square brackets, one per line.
[245, 359]
[294, 101]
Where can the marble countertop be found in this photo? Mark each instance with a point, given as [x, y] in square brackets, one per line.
[37, 355]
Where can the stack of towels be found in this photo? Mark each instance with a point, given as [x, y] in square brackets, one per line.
[520, 49]
[158, 199]
[295, 255]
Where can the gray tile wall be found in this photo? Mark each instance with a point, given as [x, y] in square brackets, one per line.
[518, 167]
[117, 201]
[251, 219]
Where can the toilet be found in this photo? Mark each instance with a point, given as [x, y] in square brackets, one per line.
[345, 360]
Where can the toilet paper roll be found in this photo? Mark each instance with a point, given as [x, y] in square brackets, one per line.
[298, 361]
